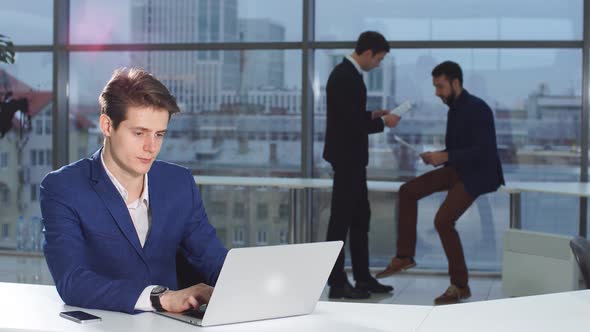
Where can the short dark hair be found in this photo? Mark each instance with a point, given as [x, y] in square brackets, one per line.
[134, 87]
[450, 69]
[371, 40]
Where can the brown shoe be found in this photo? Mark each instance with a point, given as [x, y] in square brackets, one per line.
[396, 265]
[453, 294]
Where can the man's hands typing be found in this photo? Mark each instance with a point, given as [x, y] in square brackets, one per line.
[185, 299]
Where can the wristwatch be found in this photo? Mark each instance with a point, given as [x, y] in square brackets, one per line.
[155, 295]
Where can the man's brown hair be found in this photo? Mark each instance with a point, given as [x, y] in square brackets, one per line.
[134, 87]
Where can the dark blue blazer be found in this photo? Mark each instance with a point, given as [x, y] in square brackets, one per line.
[471, 143]
[92, 248]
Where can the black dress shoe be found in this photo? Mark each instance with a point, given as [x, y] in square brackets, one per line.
[348, 292]
[373, 286]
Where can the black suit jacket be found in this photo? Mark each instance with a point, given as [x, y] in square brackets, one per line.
[471, 143]
[348, 124]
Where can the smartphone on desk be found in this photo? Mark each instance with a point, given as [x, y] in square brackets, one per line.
[80, 316]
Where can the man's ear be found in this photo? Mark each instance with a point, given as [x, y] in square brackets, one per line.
[106, 125]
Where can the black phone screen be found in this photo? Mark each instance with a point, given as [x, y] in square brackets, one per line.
[79, 315]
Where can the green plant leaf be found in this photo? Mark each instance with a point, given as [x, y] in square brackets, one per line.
[6, 50]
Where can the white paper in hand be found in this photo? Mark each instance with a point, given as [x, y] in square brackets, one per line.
[402, 108]
[406, 144]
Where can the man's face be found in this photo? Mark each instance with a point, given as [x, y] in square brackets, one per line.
[444, 89]
[135, 144]
[373, 60]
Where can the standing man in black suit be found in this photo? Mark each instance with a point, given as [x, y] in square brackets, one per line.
[348, 126]
[471, 167]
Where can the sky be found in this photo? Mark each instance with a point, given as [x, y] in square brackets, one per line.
[30, 21]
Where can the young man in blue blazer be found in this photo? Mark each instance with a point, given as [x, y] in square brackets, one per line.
[470, 167]
[114, 222]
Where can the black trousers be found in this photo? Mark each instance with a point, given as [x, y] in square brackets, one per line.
[350, 210]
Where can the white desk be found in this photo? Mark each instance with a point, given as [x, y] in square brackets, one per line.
[579, 189]
[559, 312]
[287, 183]
[36, 308]
[246, 181]
[559, 188]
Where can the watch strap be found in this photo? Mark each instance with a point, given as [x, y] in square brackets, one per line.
[155, 295]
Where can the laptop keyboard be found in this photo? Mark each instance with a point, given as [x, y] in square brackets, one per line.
[197, 313]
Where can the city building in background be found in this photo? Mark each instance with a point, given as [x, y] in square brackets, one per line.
[243, 108]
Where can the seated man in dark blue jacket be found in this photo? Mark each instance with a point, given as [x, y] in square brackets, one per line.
[471, 167]
[114, 221]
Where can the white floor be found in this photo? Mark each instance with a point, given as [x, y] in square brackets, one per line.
[409, 288]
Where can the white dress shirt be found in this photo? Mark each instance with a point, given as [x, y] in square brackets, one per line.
[356, 65]
[141, 216]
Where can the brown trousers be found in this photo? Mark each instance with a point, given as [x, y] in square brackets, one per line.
[454, 205]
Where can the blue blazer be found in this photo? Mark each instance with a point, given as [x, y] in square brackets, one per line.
[92, 248]
[471, 143]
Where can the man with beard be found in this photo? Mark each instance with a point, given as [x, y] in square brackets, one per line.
[470, 167]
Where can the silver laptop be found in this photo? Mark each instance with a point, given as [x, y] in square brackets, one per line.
[267, 282]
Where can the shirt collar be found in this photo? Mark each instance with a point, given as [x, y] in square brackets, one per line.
[354, 63]
[145, 197]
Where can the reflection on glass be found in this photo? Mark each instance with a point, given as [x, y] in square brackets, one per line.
[25, 148]
[241, 109]
[247, 217]
[451, 20]
[187, 21]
